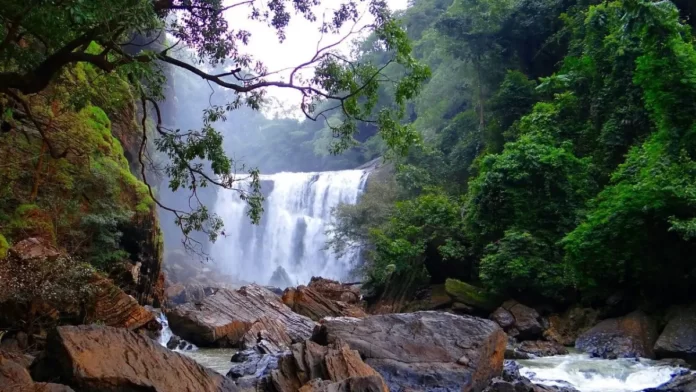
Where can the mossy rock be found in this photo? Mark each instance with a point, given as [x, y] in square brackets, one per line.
[4, 246]
[473, 296]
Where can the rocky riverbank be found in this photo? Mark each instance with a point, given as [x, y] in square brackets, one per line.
[324, 337]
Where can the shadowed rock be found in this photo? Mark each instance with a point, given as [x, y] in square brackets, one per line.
[624, 337]
[679, 336]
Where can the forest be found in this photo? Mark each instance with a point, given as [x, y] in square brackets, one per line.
[556, 160]
[542, 149]
[463, 195]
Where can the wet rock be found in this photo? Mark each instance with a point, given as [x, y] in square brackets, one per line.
[541, 348]
[503, 317]
[565, 328]
[224, 318]
[91, 358]
[471, 295]
[518, 320]
[353, 384]
[625, 337]
[268, 334]
[335, 363]
[307, 302]
[251, 370]
[681, 383]
[512, 381]
[424, 350]
[678, 339]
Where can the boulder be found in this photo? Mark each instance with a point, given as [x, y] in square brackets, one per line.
[14, 377]
[624, 337]
[503, 317]
[114, 308]
[335, 291]
[518, 320]
[95, 358]
[471, 295]
[224, 318]
[541, 348]
[353, 384]
[678, 339]
[423, 350]
[23, 360]
[565, 328]
[268, 334]
[335, 363]
[307, 302]
[181, 293]
[251, 370]
[33, 249]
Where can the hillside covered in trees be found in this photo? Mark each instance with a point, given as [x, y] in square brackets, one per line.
[557, 150]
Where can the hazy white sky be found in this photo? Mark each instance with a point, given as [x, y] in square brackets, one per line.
[299, 45]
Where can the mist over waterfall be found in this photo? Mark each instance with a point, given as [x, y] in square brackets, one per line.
[288, 247]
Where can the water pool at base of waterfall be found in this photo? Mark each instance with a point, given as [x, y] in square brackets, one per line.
[598, 375]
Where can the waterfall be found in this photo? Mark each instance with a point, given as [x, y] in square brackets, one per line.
[288, 247]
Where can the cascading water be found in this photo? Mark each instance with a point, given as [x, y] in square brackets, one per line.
[598, 375]
[288, 247]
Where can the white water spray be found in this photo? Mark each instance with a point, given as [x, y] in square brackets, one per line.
[288, 247]
[598, 375]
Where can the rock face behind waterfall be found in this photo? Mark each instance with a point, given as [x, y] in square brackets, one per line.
[423, 351]
[105, 359]
[224, 318]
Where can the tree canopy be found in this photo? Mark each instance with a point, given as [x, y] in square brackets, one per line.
[135, 42]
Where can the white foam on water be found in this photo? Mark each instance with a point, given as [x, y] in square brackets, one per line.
[597, 375]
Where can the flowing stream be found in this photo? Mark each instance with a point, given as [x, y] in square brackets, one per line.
[217, 359]
[598, 375]
[288, 247]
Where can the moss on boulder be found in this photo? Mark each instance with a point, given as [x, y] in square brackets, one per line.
[473, 296]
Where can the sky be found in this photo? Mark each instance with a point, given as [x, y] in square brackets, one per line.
[299, 46]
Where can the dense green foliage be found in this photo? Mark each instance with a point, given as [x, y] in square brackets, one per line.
[559, 150]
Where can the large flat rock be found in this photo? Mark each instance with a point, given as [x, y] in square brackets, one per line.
[223, 319]
[105, 359]
[423, 351]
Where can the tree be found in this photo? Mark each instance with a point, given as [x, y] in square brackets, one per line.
[39, 41]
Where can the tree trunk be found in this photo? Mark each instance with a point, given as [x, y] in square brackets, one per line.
[482, 121]
[37, 173]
